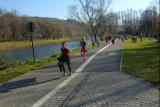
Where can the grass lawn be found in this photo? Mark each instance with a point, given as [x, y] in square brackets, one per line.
[142, 60]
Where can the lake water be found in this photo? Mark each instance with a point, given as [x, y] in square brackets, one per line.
[41, 51]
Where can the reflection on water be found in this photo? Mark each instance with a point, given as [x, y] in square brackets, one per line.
[22, 54]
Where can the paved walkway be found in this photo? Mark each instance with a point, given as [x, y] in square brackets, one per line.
[97, 82]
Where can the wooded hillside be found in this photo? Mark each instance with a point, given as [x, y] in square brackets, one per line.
[13, 27]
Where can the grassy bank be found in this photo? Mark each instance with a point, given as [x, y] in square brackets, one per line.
[142, 60]
[18, 44]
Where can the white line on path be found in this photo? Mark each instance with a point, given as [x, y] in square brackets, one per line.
[121, 59]
[55, 90]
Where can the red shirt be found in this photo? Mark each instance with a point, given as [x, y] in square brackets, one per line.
[65, 53]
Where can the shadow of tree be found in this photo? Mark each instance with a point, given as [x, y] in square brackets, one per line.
[6, 87]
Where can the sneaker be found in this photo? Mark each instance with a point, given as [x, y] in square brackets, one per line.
[64, 74]
[70, 73]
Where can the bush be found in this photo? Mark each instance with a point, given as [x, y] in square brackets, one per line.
[29, 61]
[8, 64]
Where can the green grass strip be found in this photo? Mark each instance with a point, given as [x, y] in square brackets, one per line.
[142, 60]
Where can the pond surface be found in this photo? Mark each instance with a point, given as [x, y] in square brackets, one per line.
[41, 51]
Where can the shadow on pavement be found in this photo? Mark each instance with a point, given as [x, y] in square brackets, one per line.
[49, 66]
[7, 87]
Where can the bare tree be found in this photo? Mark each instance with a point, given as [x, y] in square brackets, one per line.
[112, 22]
[91, 16]
[155, 7]
[133, 22]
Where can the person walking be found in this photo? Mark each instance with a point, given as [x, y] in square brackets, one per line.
[140, 37]
[64, 58]
[83, 51]
[98, 41]
[113, 41]
[106, 40]
[93, 40]
[109, 37]
[122, 38]
[114, 38]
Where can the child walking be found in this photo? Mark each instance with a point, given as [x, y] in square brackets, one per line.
[65, 57]
[83, 48]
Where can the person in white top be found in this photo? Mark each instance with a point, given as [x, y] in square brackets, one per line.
[97, 40]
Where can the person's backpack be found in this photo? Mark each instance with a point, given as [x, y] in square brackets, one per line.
[62, 59]
[59, 58]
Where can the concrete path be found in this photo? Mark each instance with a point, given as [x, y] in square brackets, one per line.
[97, 82]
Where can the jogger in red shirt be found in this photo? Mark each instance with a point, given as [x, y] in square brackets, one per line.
[64, 58]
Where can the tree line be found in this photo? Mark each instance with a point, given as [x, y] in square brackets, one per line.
[91, 18]
[142, 22]
[13, 27]
[96, 19]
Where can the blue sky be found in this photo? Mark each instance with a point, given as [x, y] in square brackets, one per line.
[59, 8]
